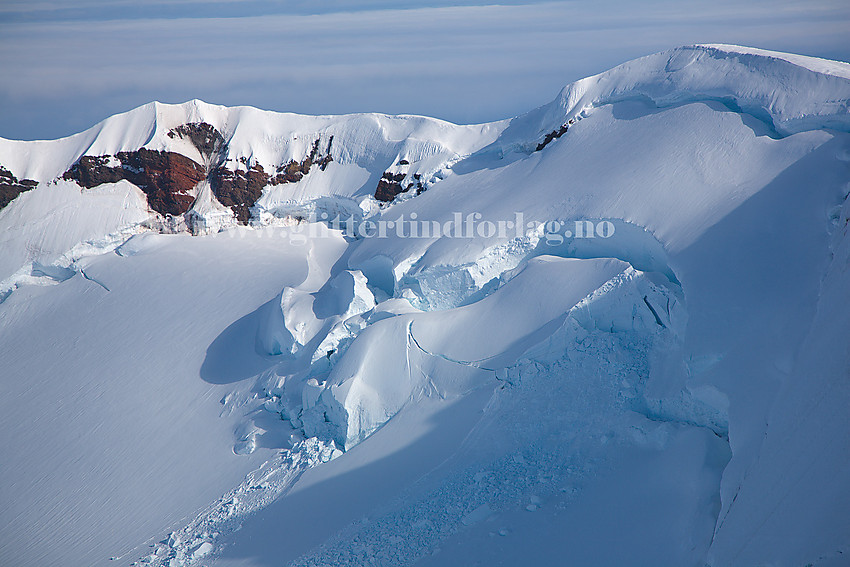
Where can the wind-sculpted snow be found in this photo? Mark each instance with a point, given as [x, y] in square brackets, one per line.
[545, 434]
[789, 93]
[594, 308]
[447, 397]
[361, 368]
[256, 137]
[55, 226]
[446, 286]
[358, 380]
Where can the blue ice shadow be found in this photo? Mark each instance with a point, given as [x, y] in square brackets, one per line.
[233, 355]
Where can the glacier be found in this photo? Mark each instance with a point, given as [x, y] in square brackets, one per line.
[198, 389]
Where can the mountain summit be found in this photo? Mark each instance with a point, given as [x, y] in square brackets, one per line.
[241, 337]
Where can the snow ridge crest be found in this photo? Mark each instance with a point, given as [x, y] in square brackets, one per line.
[790, 93]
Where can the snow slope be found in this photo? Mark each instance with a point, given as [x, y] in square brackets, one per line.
[362, 147]
[129, 437]
[267, 137]
[498, 399]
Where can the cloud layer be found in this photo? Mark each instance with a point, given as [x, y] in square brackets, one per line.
[473, 63]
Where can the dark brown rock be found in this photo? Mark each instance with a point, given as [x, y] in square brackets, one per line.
[387, 190]
[203, 136]
[11, 186]
[293, 171]
[238, 189]
[390, 186]
[167, 178]
[91, 171]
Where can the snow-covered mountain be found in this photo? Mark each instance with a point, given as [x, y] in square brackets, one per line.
[610, 331]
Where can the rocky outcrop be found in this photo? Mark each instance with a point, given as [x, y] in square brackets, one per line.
[239, 189]
[554, 135]
[11, 186]
[389, 186]
[293, 171]
[392, 185]
[167, 178]
[91, 171]
[203, 136]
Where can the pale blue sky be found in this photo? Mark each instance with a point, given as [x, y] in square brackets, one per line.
[67, 65]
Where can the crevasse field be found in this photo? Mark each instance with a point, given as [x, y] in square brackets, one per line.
[674, 393]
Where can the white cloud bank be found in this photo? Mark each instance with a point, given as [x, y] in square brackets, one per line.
[464, 64]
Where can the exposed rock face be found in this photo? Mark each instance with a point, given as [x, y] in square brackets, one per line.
[11, 186]
[295, 170]
[167, 178]
[554, 135]
[391, 185]
[239, 189]
[91, 171]
[203, 136]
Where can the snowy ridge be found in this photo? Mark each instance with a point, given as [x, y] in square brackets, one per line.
[263, 137]
[445, 398]
[791, 93]
[45, 225]
[361, 148]
[794, 93]
[787, 93]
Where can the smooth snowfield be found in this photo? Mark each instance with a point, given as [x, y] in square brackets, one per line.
[258, 398]
[130, 438]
